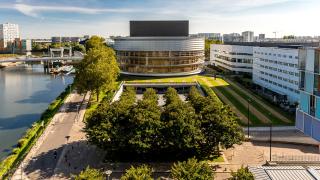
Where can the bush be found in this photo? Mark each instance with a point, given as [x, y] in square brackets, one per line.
[242, 174]
[192, 169]
[138, 173]
[90, 174]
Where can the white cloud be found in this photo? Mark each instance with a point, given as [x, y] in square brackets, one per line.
[34, 11]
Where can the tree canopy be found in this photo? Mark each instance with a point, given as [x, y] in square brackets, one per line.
[95, 42]
[130, 130]
[97, 71]
[192, 169]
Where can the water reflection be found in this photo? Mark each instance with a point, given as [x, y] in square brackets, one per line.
[25, 92]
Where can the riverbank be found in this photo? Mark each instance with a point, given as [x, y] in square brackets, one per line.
[8, 165]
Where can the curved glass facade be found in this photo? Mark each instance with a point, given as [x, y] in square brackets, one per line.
[160, 56]
[160, 62]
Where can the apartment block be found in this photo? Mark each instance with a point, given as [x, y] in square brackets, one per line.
[276, 70]
[8, 33]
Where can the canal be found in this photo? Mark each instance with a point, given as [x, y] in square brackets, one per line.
[25, 92]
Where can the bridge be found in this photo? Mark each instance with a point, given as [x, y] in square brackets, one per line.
[40, 59]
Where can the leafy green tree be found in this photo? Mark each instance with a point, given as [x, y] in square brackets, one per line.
[90, 174]
[182, 129]
[192, 169]
[138, 173]
[242, 174]
[79, 47]
[95, 42]
[108, 126]
[97, 71]
[146, 123]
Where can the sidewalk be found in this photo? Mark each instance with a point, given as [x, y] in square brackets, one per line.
[40, 161]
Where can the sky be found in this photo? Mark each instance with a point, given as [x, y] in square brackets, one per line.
[46, 18]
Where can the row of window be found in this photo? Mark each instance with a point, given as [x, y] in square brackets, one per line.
[279, 62]
[280, 78]
[280, 70]
[280, 85]
[233, 66]
[235, 60]
[233, 53]
[278, 55]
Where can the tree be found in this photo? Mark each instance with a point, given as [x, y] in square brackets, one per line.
[97, 71]
[108, 126]
[146, 123]
[192, 169]
[182, 129]
[90, 174]
[138, 173]
[79, 47]
[95, 42]
[242, 174]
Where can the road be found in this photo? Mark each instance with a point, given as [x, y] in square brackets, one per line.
[41, 161]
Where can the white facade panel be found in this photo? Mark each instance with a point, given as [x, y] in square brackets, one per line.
[310, 60]
[277, 70]
[159, 44]
[232, 57]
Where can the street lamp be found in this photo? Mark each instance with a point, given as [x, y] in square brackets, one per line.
[108, 173]
[248, 117]
[270, 139]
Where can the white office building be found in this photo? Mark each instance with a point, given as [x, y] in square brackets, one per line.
[248, 36]
[277, 70]
[235, 58]
[8, 33]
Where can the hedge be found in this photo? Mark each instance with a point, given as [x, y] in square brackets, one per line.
[9, 165]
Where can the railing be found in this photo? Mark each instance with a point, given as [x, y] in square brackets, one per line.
[296, 158]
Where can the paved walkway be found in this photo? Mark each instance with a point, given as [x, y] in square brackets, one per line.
[43, 157]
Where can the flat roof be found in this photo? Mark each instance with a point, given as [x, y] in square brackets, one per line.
[159, 28]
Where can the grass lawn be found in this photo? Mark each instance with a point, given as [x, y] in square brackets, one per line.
[216, 159]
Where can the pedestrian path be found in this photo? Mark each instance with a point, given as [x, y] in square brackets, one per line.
[43, 156]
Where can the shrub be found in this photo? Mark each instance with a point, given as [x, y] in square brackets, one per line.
[242, 173]
[138, 173]
[90, 174]
[192, 169]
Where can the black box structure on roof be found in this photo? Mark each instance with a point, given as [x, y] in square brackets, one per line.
[159, 28]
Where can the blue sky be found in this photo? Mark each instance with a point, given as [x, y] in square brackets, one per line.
[40, 18]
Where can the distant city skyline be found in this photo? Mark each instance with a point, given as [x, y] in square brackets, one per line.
[43, 19]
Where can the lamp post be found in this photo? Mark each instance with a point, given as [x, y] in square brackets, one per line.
[108, 173]
[248, 118]
[270, 145]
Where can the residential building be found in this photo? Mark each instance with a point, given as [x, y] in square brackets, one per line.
[8, 33]
[275, 69]
[159, 48]
[237, 59]
[261, 36]
[248, 36]
[308, 112]
[232, 37]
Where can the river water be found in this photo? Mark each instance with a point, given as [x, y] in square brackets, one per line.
[25, 92]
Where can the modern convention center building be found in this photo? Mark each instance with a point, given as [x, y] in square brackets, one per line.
[160, 48]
